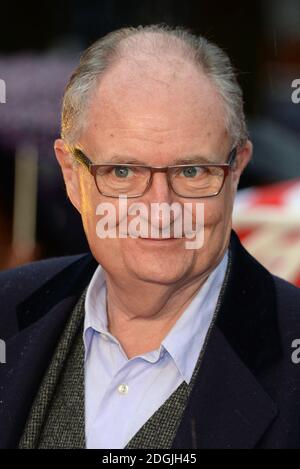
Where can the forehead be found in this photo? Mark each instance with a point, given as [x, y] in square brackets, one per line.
[151, 102]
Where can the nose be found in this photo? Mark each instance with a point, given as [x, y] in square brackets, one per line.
[159, 193]
[159, 190]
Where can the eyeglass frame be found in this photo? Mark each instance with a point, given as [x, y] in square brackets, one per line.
[93, 167]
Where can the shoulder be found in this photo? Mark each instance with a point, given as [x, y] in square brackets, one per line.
[288, 305]
[18, 284]
[288, 300]
[288, 321]
[21, 280]
[287, 292]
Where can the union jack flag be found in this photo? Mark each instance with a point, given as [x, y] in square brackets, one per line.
[267, 220]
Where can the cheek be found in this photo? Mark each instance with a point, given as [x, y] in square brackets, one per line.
[213, 211]
[218, 210]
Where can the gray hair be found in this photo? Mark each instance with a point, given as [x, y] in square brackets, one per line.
[97, 59]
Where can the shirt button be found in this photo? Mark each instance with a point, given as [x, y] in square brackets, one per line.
[123, 389]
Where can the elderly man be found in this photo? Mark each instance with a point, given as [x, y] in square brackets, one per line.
[151, 342]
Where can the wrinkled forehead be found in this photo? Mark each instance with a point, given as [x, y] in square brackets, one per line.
[166, 80]
[156, 96]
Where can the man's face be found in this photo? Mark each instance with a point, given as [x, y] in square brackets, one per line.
[155, 113]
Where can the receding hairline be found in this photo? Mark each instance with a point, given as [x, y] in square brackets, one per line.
[154, 40]
[155, 45]
[130, 59]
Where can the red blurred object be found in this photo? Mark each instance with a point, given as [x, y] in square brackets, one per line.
[267, 220]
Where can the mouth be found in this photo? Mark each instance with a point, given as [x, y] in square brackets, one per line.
[160, 239]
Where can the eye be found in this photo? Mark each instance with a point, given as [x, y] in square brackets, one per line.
[192, 171]
[122, 171]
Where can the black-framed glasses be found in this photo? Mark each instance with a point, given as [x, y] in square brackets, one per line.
[186, 180]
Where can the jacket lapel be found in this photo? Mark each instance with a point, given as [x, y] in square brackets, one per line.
[57, 416]
[42, 318]
[229, 406]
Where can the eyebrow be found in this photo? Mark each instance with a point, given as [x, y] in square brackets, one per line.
[196, 159]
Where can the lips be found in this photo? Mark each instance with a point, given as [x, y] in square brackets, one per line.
[158, 239]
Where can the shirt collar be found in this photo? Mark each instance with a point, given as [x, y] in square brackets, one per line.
[184, 341]
[95, 307]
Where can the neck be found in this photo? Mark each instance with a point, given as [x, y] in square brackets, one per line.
[141, 321]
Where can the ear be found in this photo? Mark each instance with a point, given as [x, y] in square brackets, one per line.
[243, 157]
[69, 171]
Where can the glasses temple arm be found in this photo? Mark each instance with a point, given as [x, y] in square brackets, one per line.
[82, 158]
[232, 157]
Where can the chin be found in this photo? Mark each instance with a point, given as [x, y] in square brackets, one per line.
[159, 274]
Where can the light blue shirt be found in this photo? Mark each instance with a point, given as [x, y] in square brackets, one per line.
[121, 394]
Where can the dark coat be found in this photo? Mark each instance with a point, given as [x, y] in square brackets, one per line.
[247, 393]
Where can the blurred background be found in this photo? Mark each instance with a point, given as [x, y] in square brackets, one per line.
[40, 44]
